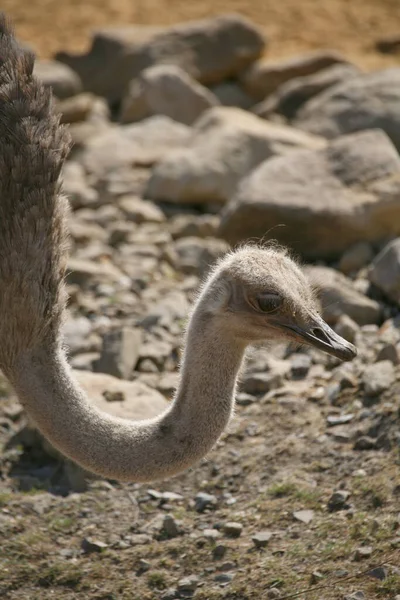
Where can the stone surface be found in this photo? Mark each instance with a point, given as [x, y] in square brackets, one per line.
[229, 93]
[135, 400]
[347, 328]
[366, 101]
[378, 377]
[339, 297]
[385, 271]
[292, 94]
[166, 90]
[304, 516]
[232, 529]
[338, 500]
[140, 211]
[204, 500]
[137, 144]
[120, 352]
[263, 78]
[170, 527]
[76, 109]
[90, 545]
[363, 552]
[261, 539]
[76, 187]
[192, 255]
[354, 258]
[62, 79]
[210, 50]
[86, 272]
[226, 144]
[351, 187]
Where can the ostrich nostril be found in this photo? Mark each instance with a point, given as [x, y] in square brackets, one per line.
[319, 333]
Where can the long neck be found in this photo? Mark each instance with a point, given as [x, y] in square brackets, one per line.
[130, 450]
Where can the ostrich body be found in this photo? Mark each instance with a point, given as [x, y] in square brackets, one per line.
[253, 295]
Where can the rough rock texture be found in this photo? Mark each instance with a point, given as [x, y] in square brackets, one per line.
[363, 102]
[140, 143]
[338, 297]
[166, 90]
[128, 399]
[229, 93]
[210, 50]
[226, 144]
[263, 78]
[292, 94]
[385, 271]
[326, 199]
[61, 78]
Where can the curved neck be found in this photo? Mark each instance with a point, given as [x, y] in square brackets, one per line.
[135, 450]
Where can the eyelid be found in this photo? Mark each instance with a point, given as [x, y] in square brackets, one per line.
[269, 303]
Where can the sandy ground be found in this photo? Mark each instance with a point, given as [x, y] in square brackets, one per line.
[292, 26]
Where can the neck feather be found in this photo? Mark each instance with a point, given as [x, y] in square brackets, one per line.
[135, 450]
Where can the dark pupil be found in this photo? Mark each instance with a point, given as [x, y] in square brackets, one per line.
[269, 302]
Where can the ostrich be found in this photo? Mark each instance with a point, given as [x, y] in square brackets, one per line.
[252, 295]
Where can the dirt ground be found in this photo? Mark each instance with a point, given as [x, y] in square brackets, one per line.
[292, 26]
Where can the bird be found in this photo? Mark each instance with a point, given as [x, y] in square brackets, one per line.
[254, 294]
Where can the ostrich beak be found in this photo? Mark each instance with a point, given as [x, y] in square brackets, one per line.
[317, 333]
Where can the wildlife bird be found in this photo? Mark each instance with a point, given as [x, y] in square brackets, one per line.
[252, 295]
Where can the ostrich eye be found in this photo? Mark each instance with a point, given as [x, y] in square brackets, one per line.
[269, 302]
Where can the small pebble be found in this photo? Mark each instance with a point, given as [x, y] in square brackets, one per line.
[224, 577]
[261, 539]
[89, 545]
[203, 501]
[232, 529]
[219, 551]
[305, 516]
[363, 552]
[338, 501]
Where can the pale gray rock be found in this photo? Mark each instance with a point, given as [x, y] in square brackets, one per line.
[366, 101]
[140, 144]
[339, 297]
[226, 144]
[59, 77]
[210, 50]
[263, 78]
[166, 90]
[130, 399]
[385, 271]
[351, 187]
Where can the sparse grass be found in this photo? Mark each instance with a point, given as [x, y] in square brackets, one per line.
[157, 580]
[280, 490]
[390, 586]
[60, 574]
[5, 498]
[62, 524]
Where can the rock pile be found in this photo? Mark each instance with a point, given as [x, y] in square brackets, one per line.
[186, 141]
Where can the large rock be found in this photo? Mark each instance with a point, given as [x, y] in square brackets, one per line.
[292, 94]
[263, 78]
[226, 144]
[62, 79]
[362, 102]
[385, 271]
[326, 200]
[126, 399]
[139, 144]
[166, 90]
[209, 50]
[338, 297]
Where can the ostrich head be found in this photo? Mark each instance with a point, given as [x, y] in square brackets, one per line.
[260, 294]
